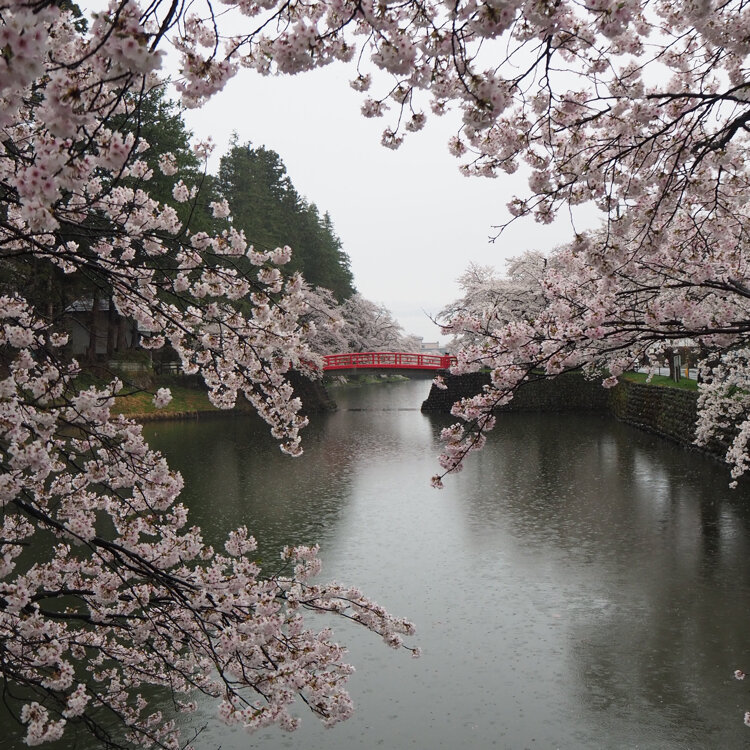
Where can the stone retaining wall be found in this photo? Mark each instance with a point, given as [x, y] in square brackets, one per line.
[313, 394]
[667, 411]
[569, 392]
[670, 412]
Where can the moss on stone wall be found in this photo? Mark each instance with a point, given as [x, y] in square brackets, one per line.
[668, 411]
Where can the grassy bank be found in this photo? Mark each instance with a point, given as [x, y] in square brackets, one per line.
[185, 401]
[685, 384]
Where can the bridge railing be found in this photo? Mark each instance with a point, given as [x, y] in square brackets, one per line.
[400, 360]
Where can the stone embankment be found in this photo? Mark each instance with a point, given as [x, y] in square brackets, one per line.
[313, 394]
[569, 392]
[669, 412]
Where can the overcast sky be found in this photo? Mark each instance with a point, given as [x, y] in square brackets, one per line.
[407, 218]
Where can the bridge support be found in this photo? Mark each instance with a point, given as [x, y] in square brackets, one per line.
[313, 393]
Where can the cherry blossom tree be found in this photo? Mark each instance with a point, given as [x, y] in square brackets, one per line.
[106, 589]
[355, 325]
[607, 316]
[490, 300]
[639, 107]
[323, 321]
[369, 327]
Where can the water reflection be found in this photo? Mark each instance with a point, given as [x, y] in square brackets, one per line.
[580, 585]
[633, 546]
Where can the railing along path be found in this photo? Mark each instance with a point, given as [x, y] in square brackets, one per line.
[395, 360]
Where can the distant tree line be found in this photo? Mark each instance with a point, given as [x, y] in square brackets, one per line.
[265, 206]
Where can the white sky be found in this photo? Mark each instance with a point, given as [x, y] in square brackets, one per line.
[409, 221]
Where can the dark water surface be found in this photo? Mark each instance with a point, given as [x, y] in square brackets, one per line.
[580, 585]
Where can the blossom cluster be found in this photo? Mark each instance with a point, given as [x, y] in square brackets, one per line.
[639, 108]
[122, 593]
[586, 309]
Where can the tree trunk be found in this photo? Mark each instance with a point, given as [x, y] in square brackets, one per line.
[112, 325]
[93, 328]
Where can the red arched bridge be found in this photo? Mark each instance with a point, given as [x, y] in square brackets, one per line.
[388, 360]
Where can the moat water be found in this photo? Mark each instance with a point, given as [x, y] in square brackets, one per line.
[581, 584]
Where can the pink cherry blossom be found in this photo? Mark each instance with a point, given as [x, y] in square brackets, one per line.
[637, 108]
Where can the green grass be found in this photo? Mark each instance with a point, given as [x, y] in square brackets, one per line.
[137, 401]
[184, 399]
[661, 380]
